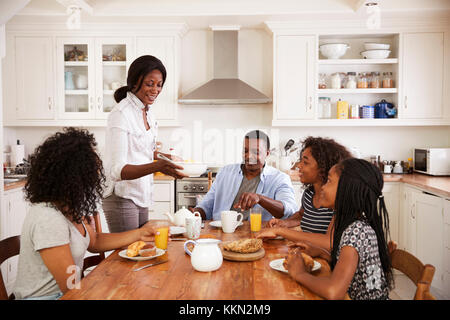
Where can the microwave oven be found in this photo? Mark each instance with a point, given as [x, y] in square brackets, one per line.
[432, 161]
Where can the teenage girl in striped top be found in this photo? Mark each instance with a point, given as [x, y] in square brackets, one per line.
[317, 157]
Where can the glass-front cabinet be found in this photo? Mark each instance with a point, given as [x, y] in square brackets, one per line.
[89, 71]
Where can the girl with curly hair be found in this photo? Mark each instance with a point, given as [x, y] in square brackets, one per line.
[63, 186]
[318, 155]
[360, 261]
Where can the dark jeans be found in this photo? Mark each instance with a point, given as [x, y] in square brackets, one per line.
[123, 214]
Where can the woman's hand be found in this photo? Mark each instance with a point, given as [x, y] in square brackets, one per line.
[267, 233]
[170, 169]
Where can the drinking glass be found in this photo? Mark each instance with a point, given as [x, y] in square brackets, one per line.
[255, 219]
[161, 239]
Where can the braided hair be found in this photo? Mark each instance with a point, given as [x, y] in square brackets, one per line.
[359, 197]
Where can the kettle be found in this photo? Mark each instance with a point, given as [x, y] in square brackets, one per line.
[179, 217]
[384, 109]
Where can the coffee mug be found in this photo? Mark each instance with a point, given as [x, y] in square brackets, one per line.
[387, 168]
[230, 220]
[193, 226]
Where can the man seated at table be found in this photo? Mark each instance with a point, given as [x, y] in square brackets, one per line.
[242, 186]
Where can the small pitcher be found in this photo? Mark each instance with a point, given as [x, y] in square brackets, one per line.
[206, 255]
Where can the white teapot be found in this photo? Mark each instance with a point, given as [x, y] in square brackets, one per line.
[206, 255]
[179, 217]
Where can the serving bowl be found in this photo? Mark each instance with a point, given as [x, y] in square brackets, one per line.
[333, 50]
[192, 169]
[375, 54]
[376, 46]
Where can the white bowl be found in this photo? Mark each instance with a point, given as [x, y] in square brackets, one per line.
[192, 169]
[376, 46]
[375, 54]
[333, 50]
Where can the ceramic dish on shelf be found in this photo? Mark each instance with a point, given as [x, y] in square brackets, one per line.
[375, 54]
[333, 50]
[376, 46]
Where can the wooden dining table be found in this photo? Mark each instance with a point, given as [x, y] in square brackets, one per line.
[114, 278]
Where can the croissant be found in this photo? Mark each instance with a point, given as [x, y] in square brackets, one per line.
[133, 249]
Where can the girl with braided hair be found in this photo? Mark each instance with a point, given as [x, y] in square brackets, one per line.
[359, 257]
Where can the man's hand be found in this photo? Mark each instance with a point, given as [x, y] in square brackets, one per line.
[248, 200]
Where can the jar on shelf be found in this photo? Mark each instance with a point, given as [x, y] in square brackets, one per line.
[335, 81]
[350, 80]
[375, 80]
[343, 75]
[363, 82]
[388, 81]
[322, 81]
[324, 108]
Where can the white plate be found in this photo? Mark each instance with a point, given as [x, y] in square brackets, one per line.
[159, 252]
[218, 223]
[278, 265]
[174, 230]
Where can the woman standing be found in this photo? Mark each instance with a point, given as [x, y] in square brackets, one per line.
[131, 147]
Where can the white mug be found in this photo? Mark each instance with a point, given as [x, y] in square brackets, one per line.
[194, 226]
[387, 168]
[286, 164]
[230, 220]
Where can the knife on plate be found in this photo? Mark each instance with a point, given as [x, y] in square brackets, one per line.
[151, 264]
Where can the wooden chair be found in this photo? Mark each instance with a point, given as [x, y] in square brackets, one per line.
[96, 259]
[414, 269]
[9, 247]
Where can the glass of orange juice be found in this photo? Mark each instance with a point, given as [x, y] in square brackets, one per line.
[255, 219]
[162, 236]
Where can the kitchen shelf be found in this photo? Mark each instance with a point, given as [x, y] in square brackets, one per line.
[109, 92]
[115, 63]
[76, 63]
[360, 122]
[357, 61]
[76, 92]
[351, 91]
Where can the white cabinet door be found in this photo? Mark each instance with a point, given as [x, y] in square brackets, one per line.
[34, 78]
[408, 220]
[391, 195]
[165, 49]
[430, 232]
[294, 77]
[423, 67]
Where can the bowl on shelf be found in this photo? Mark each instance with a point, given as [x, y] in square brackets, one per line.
[375, 54]
[192, 169]
[333, 50]
[376, 46]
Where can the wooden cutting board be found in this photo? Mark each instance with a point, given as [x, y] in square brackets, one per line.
[235, 256]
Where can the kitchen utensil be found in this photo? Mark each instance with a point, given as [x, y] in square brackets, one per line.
[179, 217]
[375, 54]
[68, 79]
[354, 111]
[385, 109]
[81, 81]
[235, 256]
[286, 164]
[194, 226]
[192, 169]
[179, 239]
[387, 168]
[288, 145]
[376, 46]
[151, 264]
[333, 50]
[398, 167]
[230, 220]
[368, 112]
[206, 255]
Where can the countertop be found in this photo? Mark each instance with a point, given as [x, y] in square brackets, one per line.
[437, 185]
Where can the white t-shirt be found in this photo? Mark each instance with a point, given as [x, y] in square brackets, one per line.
[128, 142]
[45, 227]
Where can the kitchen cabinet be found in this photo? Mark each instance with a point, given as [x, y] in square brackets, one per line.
[12, 216]
[391, 193]
[447, 246]
[423, 218]
[423, 75]
[88, 71]
[294, 67]
[163, 199]
[34, 75]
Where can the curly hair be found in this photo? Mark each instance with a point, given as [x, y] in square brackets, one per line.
[326, 152]
[66, 172]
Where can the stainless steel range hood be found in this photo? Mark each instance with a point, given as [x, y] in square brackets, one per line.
[225, 87]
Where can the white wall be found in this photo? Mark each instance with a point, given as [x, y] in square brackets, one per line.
[213, 133]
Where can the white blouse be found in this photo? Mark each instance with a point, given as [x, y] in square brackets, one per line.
[128, 142]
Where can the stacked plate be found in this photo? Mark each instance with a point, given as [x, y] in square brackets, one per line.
[376, 50]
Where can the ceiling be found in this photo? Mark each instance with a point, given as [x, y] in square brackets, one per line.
[202, 13]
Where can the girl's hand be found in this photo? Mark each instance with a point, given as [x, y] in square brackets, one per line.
[275, 223]
[147, 232]
[308, 248]
[294, 263]
[267, 233]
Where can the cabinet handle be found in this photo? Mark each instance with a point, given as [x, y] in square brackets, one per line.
[310, 103]
[99, 103]
[49, 103]
[406, 102]
[412, 210]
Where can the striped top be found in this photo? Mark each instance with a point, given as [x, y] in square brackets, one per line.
[314, 220]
